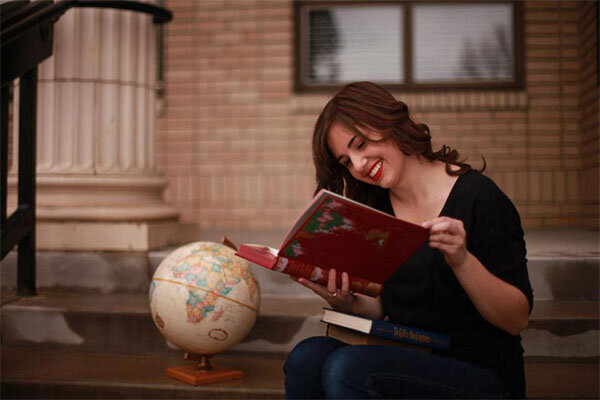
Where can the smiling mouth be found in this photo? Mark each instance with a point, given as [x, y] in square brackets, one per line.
[376, 169]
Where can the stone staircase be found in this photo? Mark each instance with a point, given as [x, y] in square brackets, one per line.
[88, 333]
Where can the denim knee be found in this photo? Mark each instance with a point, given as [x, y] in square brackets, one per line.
[343, 375]
[303, 367]
[374, 371]
[306, 355]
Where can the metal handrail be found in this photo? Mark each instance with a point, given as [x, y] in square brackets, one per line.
[26, 40]
[53, 12]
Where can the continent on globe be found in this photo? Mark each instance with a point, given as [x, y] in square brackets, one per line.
[222, 275]
[203, 298]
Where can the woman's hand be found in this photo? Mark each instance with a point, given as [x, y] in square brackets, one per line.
[338, 299]
[448, 236]
[499, 303]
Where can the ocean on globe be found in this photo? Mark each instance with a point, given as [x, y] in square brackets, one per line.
[203, 298]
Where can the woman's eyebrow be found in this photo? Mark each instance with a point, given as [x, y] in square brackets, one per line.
[351, 141]
[349, 145]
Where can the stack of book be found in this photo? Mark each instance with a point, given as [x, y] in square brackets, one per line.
[354, 329]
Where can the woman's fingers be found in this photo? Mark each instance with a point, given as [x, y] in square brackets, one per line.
[429, 224]
[444, 224]
[345, 290]
[331, 284]
[315, 287]
[445, 231]
[319, 289]
[449, 237]
[445, 238]
[342, 299]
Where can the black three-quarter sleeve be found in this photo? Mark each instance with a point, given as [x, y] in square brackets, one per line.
[497, 238]
[425, 293]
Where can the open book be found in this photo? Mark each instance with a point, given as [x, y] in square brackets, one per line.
[336, 232]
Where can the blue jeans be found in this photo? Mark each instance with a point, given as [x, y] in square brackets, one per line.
[323, 367]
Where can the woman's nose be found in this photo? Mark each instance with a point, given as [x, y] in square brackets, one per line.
[358, 161]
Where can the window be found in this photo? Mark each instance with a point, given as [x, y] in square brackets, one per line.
[409, 45]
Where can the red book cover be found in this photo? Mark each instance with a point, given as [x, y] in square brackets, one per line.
[336, 232]
[268, 258]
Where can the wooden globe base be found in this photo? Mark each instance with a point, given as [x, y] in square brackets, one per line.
[203, 372]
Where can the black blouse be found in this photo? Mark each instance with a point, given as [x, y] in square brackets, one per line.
[424, 292]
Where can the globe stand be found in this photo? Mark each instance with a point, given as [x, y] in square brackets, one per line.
[203, 372]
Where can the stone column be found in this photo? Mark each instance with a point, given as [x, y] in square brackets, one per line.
[97, 184]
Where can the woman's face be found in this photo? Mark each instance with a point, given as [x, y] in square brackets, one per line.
[375, 163]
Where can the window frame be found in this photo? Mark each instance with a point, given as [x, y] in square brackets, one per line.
[407, 54]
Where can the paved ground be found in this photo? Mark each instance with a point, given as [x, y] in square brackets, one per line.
[65, 374]
[563, 242]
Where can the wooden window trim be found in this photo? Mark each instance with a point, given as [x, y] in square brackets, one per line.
[518, 46]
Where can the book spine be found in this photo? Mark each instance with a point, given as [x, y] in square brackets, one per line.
[407, 334]
[319, 275]
[260, 256]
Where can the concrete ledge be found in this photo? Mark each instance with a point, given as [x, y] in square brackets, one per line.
[562, 243]
[564, 277]
[32, 373]
[102, 272]
[112, 236]
[561, 268]
[121, 323]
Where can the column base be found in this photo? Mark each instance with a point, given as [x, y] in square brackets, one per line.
[113, 236]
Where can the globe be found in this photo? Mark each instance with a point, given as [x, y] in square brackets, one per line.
[203, 298]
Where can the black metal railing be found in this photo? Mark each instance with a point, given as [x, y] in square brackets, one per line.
[26, 40]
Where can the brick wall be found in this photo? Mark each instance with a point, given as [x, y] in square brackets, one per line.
[588, 103]
[234, 141]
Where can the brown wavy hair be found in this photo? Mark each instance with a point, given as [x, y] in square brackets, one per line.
[368, 106]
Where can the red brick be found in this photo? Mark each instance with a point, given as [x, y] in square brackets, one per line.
[235, 101]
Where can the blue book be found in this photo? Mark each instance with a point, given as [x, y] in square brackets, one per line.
[387, 330]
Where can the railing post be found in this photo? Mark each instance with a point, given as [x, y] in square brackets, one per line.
[4, 152]
[27, 172]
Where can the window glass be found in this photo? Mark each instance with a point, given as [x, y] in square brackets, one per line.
[353, 43]
[462, 42]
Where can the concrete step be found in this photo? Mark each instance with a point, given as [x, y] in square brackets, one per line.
[110, 272]
[28, 373]
[552, 277]
[121, 323]
[564, 277]
[563, 329]
[563, 264]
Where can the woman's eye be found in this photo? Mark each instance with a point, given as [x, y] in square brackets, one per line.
[361, 144]
[346, 162]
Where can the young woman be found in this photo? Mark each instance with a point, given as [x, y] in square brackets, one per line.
[469, 281]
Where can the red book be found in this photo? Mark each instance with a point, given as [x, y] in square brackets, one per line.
[336, 232]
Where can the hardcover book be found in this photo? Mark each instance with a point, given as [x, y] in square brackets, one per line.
[336, 232]
[387, 330]
[350, 336]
